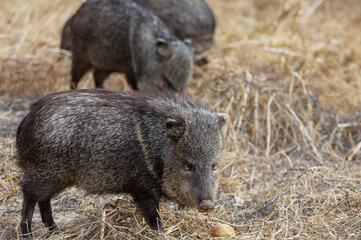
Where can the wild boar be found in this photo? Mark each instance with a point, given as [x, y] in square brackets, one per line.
[103, 141]
[121, 36]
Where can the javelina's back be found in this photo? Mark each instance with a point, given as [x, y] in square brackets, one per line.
[116, 142]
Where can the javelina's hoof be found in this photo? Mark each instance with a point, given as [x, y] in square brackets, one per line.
[157, 226]
[51, 228]
[27, 236]
[206, 206]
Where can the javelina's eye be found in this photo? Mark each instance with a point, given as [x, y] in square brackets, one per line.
[215, 166]
[189, 166]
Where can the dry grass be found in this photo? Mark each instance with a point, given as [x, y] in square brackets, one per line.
[288, 75]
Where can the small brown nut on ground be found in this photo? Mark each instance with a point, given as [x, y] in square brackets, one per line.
[222, 230]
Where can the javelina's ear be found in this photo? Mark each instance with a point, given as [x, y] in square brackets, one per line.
[175, 128]
[222, 121]
[163, 48]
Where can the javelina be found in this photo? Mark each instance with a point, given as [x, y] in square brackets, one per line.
[186, 19]
[120, 36]
[115, 142]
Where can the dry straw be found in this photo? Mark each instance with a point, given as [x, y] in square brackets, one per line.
[288, 75]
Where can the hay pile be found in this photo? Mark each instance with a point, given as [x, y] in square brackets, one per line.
[288, 75]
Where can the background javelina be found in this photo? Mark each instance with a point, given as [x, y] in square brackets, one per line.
[186, 19]
[114, 142]
[120, 36]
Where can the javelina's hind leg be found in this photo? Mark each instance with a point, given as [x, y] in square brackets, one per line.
[99, 77]
[26, 216]
[149, 207]
[46, 214]
[79, 68]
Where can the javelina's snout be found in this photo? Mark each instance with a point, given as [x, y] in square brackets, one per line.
[206, 206]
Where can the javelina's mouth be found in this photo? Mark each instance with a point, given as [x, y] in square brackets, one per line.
[206, 206]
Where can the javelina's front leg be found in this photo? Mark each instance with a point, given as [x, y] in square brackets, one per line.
[148, 205]
[46, 214]
[99, 77]
[27, 215]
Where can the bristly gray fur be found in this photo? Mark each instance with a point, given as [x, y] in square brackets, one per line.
[121, 36]
[118, 142]
[186, 19]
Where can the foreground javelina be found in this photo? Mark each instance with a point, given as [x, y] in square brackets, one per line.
[186, 19]
[120, 36]
[115, 142]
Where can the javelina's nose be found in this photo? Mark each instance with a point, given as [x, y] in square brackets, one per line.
[206, 206]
